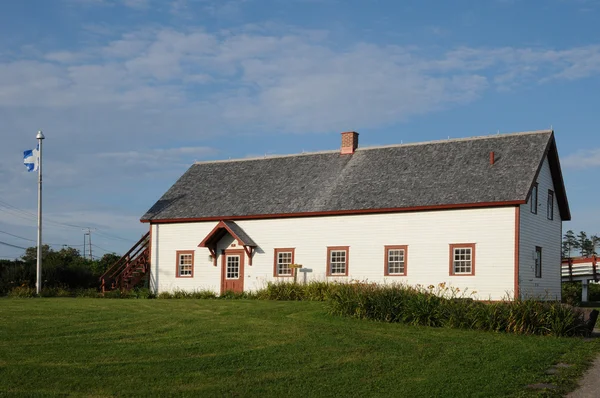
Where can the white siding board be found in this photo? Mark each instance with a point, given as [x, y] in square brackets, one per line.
[427, 234]
[537, 230]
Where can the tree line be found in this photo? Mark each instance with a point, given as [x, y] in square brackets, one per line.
[579, 245]
[65, 268]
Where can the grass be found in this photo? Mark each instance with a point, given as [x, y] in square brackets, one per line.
[91, 347]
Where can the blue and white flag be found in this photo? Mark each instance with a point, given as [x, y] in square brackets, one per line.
[31, 158]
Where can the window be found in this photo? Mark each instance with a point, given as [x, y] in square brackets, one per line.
[283, 259]
[550, 208]
[462, 259]
[337, 261]
[538, 262]
[534, 199]
[395, 260]
[185, 264]
[233, 267]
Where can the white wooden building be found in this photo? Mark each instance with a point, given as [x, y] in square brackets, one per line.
[482, 214]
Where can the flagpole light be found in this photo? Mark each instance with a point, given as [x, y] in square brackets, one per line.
[40, 135]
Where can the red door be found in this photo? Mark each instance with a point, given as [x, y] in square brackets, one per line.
[232, 271]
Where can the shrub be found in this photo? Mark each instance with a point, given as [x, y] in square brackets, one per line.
[571, 293]
[293, 291]
[204, 294]
[89, 293]
[165, 295]
[445, 307]
[22, 292]
[55, 292]
[231, 295]
[183, 294]
[112, 294]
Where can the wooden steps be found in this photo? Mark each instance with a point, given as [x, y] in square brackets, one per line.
[130, 270]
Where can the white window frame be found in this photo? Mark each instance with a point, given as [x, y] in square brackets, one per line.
[289, 254]
[399, 265]
[239, 266]
[185, 270]
[333, 251]
[458, 263]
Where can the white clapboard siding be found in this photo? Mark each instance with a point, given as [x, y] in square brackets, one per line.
[537, 230]
[427, 235]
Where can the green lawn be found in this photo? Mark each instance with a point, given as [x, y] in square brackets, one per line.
[103, 347]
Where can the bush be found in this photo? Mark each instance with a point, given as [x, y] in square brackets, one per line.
[55, 292]
[22, 292]
[165, 295]
[445, 307]
[88, 293]
[571, 293]
[231, 295]
[291, 291]
[183, 294]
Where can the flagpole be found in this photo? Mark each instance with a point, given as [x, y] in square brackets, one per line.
[38, 285]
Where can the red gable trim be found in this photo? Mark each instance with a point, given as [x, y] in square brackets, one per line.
[216, 235]
[342, 212]
[210, 241]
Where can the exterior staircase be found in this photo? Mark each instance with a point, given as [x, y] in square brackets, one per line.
[129, 270]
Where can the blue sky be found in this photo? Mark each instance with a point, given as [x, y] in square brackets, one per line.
[131, 92]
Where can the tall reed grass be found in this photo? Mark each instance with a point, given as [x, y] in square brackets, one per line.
[446, 307]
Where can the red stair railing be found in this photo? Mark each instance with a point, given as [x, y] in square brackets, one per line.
[129, 269]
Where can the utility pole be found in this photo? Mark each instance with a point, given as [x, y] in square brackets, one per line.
[89, 241]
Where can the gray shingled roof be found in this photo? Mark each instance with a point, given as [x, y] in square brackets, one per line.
[452, 172]
[240, 233]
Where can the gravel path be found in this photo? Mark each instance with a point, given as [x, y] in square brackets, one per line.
[589, 385]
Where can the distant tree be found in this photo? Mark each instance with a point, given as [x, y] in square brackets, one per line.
[60, 268]
[30, 255]
[569, 244]
[105, 262]
[595, 242]
[583, 243]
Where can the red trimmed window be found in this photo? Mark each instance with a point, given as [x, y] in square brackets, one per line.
[462, 259]
[283, 259]
[395, 260]
[185, 264]
[337, 260]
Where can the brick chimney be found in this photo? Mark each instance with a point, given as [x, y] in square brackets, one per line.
[349, 142]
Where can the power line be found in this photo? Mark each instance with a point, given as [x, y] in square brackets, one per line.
[5, 206]
[24, 213]
[107, 251]
[31, 240]
[110, 236]
[16, 236]
[15, 246]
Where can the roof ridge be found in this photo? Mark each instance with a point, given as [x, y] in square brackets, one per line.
[481, 137]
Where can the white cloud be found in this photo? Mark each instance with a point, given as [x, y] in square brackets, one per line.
[138, 4]
[583, 159]
[288, 75]
[105, 106]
